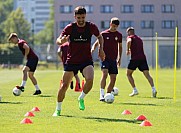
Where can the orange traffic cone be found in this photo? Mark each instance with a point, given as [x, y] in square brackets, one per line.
[77, 87]
[146, 123]
[36, 109]
[126, 112]
[29, 114]
[26, 121]
[141, 118]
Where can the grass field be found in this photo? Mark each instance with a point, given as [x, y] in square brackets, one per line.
[163, 112]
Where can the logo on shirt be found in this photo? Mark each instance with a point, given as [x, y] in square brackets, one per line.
[107, 38]
[80, 39]
[116, 38]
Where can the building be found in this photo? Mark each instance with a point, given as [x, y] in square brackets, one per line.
[146, 16]
[35, 11]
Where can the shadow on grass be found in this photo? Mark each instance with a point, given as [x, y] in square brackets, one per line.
[67, 115]
[10, 102]
[144, 104]
[99, 119]
[164, 98]
[45, 96]
[158, 97]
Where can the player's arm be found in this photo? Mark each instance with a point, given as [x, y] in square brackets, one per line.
[101, 51]
[119, 53]
[27, 50]
[59, 53]
[128, 44]
[62, 39]
[94, 46]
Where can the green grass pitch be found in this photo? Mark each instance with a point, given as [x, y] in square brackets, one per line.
[163, 112]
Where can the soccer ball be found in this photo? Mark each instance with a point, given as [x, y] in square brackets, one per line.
[115, 91]
[109, 98]
[16, 91]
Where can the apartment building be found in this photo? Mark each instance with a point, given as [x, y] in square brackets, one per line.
[147, 16]
[35, 11]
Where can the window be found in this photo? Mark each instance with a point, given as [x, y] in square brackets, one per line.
[168, 24]
[42, 2]
[168, 8]
[64, 23]
[127, 9]
[41, 18]
[147, 24]
[105, 24]
[126, 24]
[42, 13]
[106, 9]
[32, 9]
[39, 24]
[42, 7]
[89, 8]
[147, 8]
[66, 9]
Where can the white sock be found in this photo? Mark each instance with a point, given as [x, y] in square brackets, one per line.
[134, 89]
[82, 95]
[101, 93]
[153, 89]
[23, 83]
[37, 88]
[59, 106]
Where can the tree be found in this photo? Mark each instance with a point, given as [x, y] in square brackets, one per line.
[17, 23]
[6, 6]
[46, 36]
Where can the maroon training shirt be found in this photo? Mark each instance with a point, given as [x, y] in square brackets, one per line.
[79, 52]
[137, 52]
[111, 40]
[31, 54]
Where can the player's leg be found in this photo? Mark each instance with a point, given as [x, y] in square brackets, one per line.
[67, 77]
[150, 80]
[71, 84]
[104, 69]
[103, 83]
[25, 77]
[34, 81]
[145, 69]
[133, 64]
[32, 64]
[131, 81]
[77, 80]
[111, 83]
[88, 73]
[113, 71]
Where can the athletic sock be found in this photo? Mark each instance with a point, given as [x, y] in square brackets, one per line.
[153, 89]
[135, 90]
[23, 83]
[101, 93]
[59, 105]
[82, 95]
[37, 88]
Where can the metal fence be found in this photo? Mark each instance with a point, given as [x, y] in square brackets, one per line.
[48, 54]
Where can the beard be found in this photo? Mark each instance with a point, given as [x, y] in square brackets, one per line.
[81, 23]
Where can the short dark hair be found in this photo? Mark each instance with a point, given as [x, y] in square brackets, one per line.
[130, 29]
[79, 10]
[12, 35]
[115, 21]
